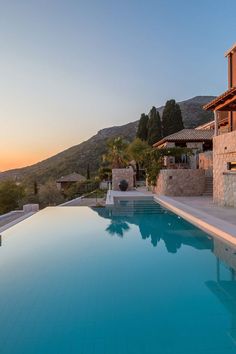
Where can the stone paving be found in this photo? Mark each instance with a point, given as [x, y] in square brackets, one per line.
[205, 204]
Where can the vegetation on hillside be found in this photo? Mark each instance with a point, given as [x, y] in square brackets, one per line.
[49, 195]
[80, 189]
[11, 196]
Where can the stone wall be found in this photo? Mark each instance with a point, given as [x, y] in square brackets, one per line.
[224, 181]
[122, 173]
[180, 182]
[206, 163]
[196, 147]
[30, 208]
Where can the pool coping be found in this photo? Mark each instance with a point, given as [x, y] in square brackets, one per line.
[212, 225]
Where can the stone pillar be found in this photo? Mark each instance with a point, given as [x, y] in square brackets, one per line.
[122, 173]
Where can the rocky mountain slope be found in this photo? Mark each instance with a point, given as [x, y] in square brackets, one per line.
[77, 157]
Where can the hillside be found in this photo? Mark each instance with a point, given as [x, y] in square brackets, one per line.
[77, 157]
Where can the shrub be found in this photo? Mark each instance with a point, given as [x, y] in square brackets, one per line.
[11, 195]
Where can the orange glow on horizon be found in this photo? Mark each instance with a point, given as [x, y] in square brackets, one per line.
[18, 160]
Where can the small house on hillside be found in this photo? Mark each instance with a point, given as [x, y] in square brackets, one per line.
[66, 181]
[199, 140]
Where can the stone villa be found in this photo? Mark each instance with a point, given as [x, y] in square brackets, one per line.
[194, 177]
[224, 141]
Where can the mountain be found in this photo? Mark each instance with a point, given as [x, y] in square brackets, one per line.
[76, 158]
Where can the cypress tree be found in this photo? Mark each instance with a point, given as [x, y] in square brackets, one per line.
[154, 127]
[88, 171]
[35, 188]
[172, 118]
[142, 127]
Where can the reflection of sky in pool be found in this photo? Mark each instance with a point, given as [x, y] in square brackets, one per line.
[134, 279]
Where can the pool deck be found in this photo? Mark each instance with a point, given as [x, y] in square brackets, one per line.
[200, 211]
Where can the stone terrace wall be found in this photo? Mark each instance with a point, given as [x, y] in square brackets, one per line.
[206, 162]
[180, 182]
[122, 173]
[224, 182]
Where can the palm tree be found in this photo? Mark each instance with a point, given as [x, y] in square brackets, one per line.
[117, 155]
[137, 150]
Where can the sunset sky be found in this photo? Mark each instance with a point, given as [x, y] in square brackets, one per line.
[69, 68]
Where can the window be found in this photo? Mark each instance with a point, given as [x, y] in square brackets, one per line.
[231, 166]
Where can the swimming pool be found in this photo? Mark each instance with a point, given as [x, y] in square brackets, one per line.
[131, 279]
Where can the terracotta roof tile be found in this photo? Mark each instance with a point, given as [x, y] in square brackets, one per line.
[188, 135]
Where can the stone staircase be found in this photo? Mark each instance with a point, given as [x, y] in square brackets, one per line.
[208, 192]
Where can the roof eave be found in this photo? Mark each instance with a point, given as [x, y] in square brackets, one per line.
[183, 140]
[221, 102]
[231, 50]
[161, 142]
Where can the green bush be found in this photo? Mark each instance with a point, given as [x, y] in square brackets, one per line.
[80, 188]
[11, 195]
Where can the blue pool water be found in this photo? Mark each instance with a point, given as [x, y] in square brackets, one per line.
[136, 279]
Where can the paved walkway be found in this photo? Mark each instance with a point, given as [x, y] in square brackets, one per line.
[205, 204]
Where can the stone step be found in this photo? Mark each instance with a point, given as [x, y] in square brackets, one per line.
[208, 192]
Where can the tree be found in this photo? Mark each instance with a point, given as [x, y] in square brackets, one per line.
[137, 151]
[49, 194]
[88, 171]
[104, 173]
[117, 155]
[142, 131]
[172, 120]
[154, 127]
[35, 188]
[11, 195]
